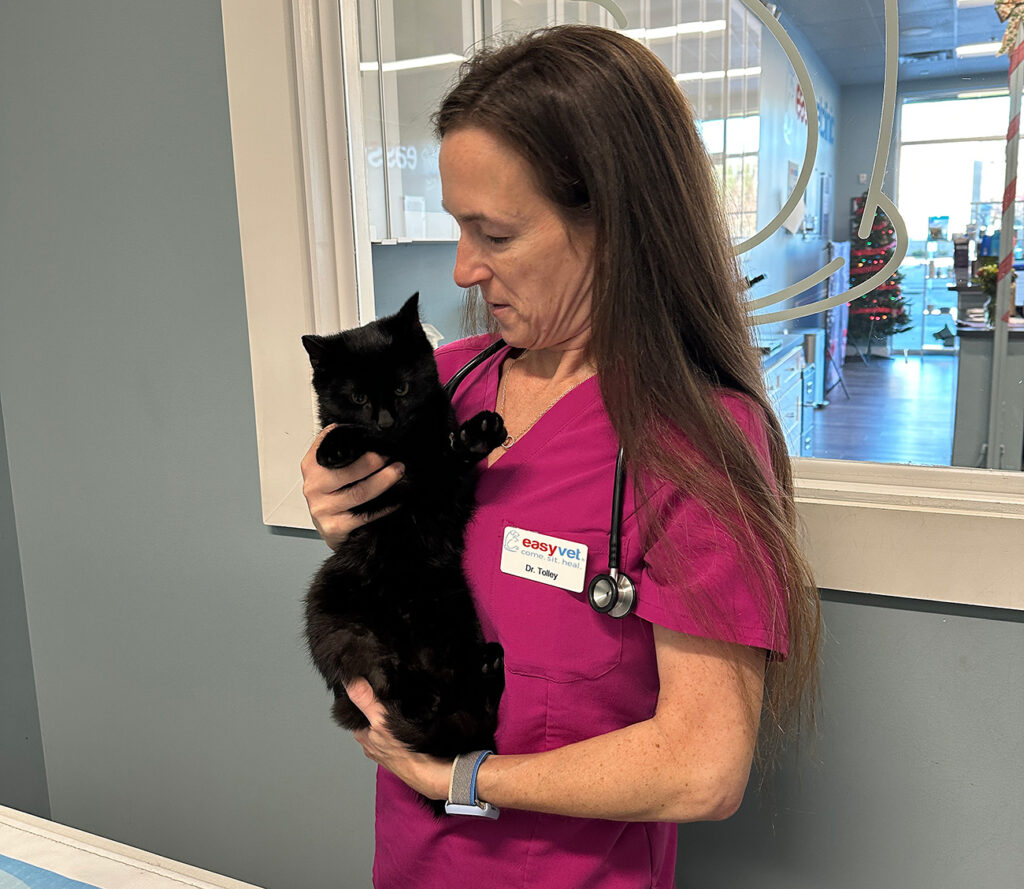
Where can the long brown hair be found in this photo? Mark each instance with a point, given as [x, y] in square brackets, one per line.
[612, 143]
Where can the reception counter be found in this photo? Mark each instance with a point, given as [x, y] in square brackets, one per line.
[39, 854]
[970, 431]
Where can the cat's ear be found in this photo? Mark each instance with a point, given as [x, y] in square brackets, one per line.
[316, 348]
[410, 312]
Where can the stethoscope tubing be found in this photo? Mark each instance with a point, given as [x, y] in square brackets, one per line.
[622, 600]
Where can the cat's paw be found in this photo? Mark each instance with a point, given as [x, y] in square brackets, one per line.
[482, 433]
[337, 451]
[348, 715]
[494, 659]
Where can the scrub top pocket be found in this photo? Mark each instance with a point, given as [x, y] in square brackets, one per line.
[555, 634]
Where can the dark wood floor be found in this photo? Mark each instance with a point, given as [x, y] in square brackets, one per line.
[899, 411]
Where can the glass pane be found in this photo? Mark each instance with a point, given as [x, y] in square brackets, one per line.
[737, 96]
[970, 171]
[753, 120]
[374, 145]
[714, 52]
[743, 135]
[427, 29]
[410, 52]
[752, 99]
[501, 16]
[753, 49]
[737, 41]
[733, 190]
[713, 134]
[661, 14]
[690, 11]
[955, 119]
[633, 10]
[664, 49]
[968, 198]
[414, 156]
[689, 58]
[694, 92]
[714, 99]
[749, 207]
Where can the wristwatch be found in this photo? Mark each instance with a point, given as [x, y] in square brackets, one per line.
[462, 799]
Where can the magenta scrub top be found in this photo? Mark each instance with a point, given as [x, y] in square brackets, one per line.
[570, 673]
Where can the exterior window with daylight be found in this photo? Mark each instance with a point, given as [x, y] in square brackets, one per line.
[718, 67]
[951, 172]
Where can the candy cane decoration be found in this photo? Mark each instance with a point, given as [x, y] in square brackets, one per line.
[1005, 274]
[1004, 277]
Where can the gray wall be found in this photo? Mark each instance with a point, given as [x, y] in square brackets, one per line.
[400, 270]
[915, 774]
[858, 132]
[176, 707]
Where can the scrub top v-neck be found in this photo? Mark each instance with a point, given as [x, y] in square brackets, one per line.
[563, 409]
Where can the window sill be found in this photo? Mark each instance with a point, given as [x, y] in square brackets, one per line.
[921, 532]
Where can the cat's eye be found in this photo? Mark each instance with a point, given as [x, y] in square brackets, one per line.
[402, 390]
[358, 398]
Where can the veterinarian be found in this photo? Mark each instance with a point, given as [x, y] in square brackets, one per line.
[592, 238]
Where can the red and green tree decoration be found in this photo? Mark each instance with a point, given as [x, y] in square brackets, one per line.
[883, 311]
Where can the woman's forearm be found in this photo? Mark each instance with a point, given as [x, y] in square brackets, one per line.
[632, 774]
[689, 762]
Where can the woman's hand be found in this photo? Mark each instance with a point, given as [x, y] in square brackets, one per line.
[424, 774]
[332, 493]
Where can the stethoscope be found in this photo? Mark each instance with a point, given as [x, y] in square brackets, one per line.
[614, 592]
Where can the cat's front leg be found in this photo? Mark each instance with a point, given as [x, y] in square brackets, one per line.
[478, 436]
[347, 714]
[339, 448]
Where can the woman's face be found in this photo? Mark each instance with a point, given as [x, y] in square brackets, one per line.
[533, 270]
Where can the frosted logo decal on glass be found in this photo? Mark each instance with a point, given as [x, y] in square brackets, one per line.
[820, 121]
[875, 198]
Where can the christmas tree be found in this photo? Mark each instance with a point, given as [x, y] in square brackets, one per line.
[883, 311]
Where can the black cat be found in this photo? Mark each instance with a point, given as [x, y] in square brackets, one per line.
[392, 603]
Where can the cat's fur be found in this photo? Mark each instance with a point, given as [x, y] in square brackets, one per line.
[392, 603]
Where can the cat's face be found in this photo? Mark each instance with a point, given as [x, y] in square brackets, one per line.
[376, 376]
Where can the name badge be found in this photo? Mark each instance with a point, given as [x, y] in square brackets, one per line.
[550, 560]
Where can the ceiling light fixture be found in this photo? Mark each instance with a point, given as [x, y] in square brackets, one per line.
[448, 58]
[984, 94]
[675, 30]
[714, 75]
[977, 49]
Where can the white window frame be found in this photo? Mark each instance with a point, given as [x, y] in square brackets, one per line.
[932, 533]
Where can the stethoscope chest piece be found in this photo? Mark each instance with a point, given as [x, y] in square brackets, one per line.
[613, 594]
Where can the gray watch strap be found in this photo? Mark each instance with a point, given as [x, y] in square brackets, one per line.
[462, 798]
